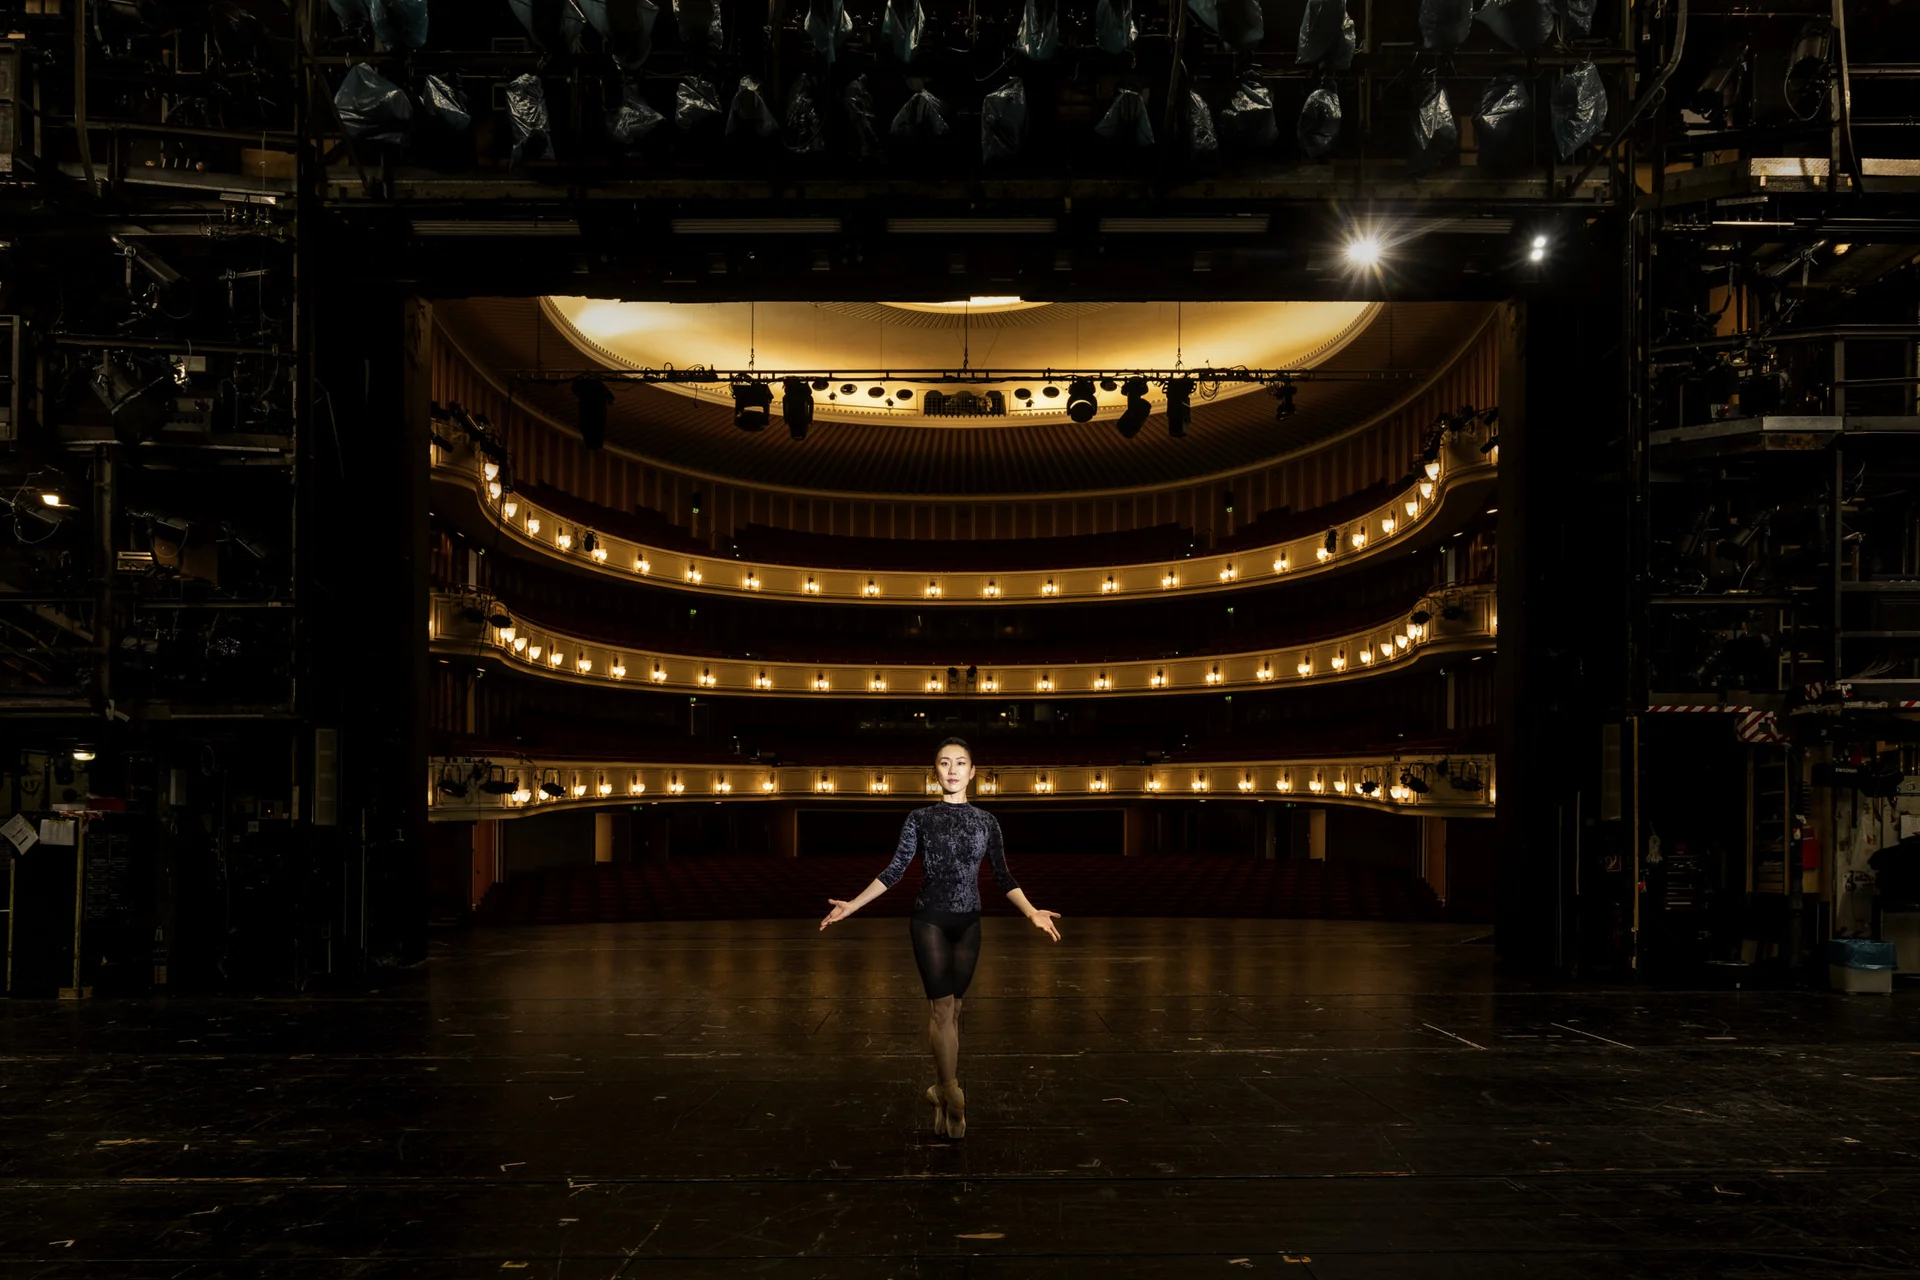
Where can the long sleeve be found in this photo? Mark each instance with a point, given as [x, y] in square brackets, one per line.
[997, 856]
[903, 852]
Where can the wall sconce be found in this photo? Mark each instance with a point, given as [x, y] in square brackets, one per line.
[1285, 783]
[555, 658]
[723, 787]
[1433, 471]
[811, 587]
[533, 652]
[933, 685]
[563, 540]
[763, 681]
[1305, 667]
[659, 674]
[1426, 489]
[533, 524]
[1340, 784]
[1317, 784]
[1159, 678]
[618, 670]
[1199, 782]
[1046, 683]
[599, 555]
[519, 644]
[824, 784]
[989, 684]
[693, 574]
[769, 785]
[642, 565]
[1098, 782]
[751, 582]
[1358, 538]
[991, 591]
[1214, 676]
[506, 635]
[871, 589]
[1042, 784]
[1049, 588]
[1387, 525]
[878, 684]
[1266, 670]
[1228, 574]
[1412, 507]
[1153, 784]
[579, 787]
[878, 784]
[1246, 783]
[1109, 586]
[1339, 660]
[932, 787]
[635, 787]
[1366, 655]
[933, 590]
[674, 785]
[1280, 565]
[1400, 641]
[989, 784]
[520, 793]
[509, 509]
[1101, 682]
[707, 678]
[1321, 553]
[1169, 579]
[605, 788]
[584, 664]
[820, 681]
[491, 470]
[494, 490]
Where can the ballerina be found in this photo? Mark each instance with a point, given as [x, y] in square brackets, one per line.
[952, 836]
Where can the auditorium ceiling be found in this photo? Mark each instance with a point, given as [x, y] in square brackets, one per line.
[1372, 357]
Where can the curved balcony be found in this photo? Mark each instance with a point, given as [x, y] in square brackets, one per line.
[1446, 621]
[1453, 488]
[464, 789]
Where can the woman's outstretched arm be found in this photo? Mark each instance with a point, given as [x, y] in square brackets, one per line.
[841, 910]
[1041, 919]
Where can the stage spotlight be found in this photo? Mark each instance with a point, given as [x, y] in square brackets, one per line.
[1363, 252]
[451, 784]
[551, 786]
[1414, 783]
[752, 405]
[1368, 786]
[133, 394]
[1134, 416]
[796, 406]
[591, 398]
[1282, 392]
[1081, 405]
[1332, 543]
[1420, 617]
[1179, 406]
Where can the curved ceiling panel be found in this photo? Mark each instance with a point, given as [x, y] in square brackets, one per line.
[512, 340]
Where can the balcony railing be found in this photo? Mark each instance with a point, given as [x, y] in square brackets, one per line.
[464, 789]
[1436, 503]
[1450, 620]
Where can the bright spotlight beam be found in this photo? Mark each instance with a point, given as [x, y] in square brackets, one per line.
[1363, 252]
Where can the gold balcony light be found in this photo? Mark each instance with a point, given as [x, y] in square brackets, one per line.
[1400, 641]
[752, 581]
[933, 684]
[1169, 579]
[1049, 588]
[825, 783]
[1046, 683]
[1159, 678]
[1426, 489]
[533, 652]
[1109, 586]
[820, 681]
[871, 589]
[519, 644]
[991, 591]
[1042, 784]
[659, 674]
[1412, 507]
[1280, 565]
[932, 787]
[1153, 784]
[579, 787]
[1246, 782]
[1199, 782]
[1306, 665]
[533, 524]
[506, 635]
[618, 670]
[1321, 554]
[1214, 676]
[555, 658]
[494, 490]
[509, 509]
[933, 590]
[989, 684]
[989, 784]
[878, 784]
[763, 681]
[1228, 574]
[769, 785]
[1366, 655]
[1285, 783]
[707, 678]
[635, 787]
[642, 565]
[1266, 670]
[1340, 784]
[520, 793]
[605, 788]
[878, 683]
[723, 787]
[491, 470]
[584, 664]
[674, 785]
[1101, 682]
[693, 574]
[563, 540]
[1317, 784]
[1339, 662]
[1098, 783]
[1359, 538]
[811, 587]
[1433, 472]
[1387, 525]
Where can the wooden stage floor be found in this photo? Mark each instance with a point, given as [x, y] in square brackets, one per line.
[1148, 1098]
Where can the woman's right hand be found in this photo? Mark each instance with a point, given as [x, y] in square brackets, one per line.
[840, 912]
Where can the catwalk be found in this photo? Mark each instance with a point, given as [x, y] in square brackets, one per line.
[1146, 1098]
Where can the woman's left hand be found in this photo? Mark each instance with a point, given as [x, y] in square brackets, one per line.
[1044, 920]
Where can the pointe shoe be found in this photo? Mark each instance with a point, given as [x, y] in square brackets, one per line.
[955, 1111]
[939, 1110]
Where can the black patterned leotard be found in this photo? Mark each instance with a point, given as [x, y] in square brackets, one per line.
[951, 839]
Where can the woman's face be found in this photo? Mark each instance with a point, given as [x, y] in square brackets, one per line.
[954, 770]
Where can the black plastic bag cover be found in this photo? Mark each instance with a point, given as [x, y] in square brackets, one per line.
[1436, 134]
[921, 116]
[1113, 29]
[1577, 14]
[1038, 36]
[828, 26]
[634, 118]
[1326, 34]
[400, 24]
[1126, 123]
[372, 108]
[1524, 24]
[1003, 121]
[1506, 111]
[445, 105]
[1319, 122]
[1444, 24]
[1203, 141]
[694, 103]
[749, 116]
[527, 112]
[554, 24]
[1579, 108]
[352, 14]
[1239, 23]
[902, 28]
[626, 26]
[863, 121]
[1248, 118]
[699, 22]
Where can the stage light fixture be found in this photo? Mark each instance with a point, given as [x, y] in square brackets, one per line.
[1179, 406]
[1420, 617]
[450, 783]
[1134, 416]
[1414, 783]
[752, 406]
[591, 398]
[1282, 393]
[796, 406]
[1363, 252]
[1081, 404]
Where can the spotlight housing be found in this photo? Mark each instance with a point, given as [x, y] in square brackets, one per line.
[796, 406]
[1282, 393]
[1179, 406]
[1134, 416]
[752, 405]
[1081, 404]
[592, 398]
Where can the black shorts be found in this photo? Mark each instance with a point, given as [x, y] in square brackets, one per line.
[946, 946]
